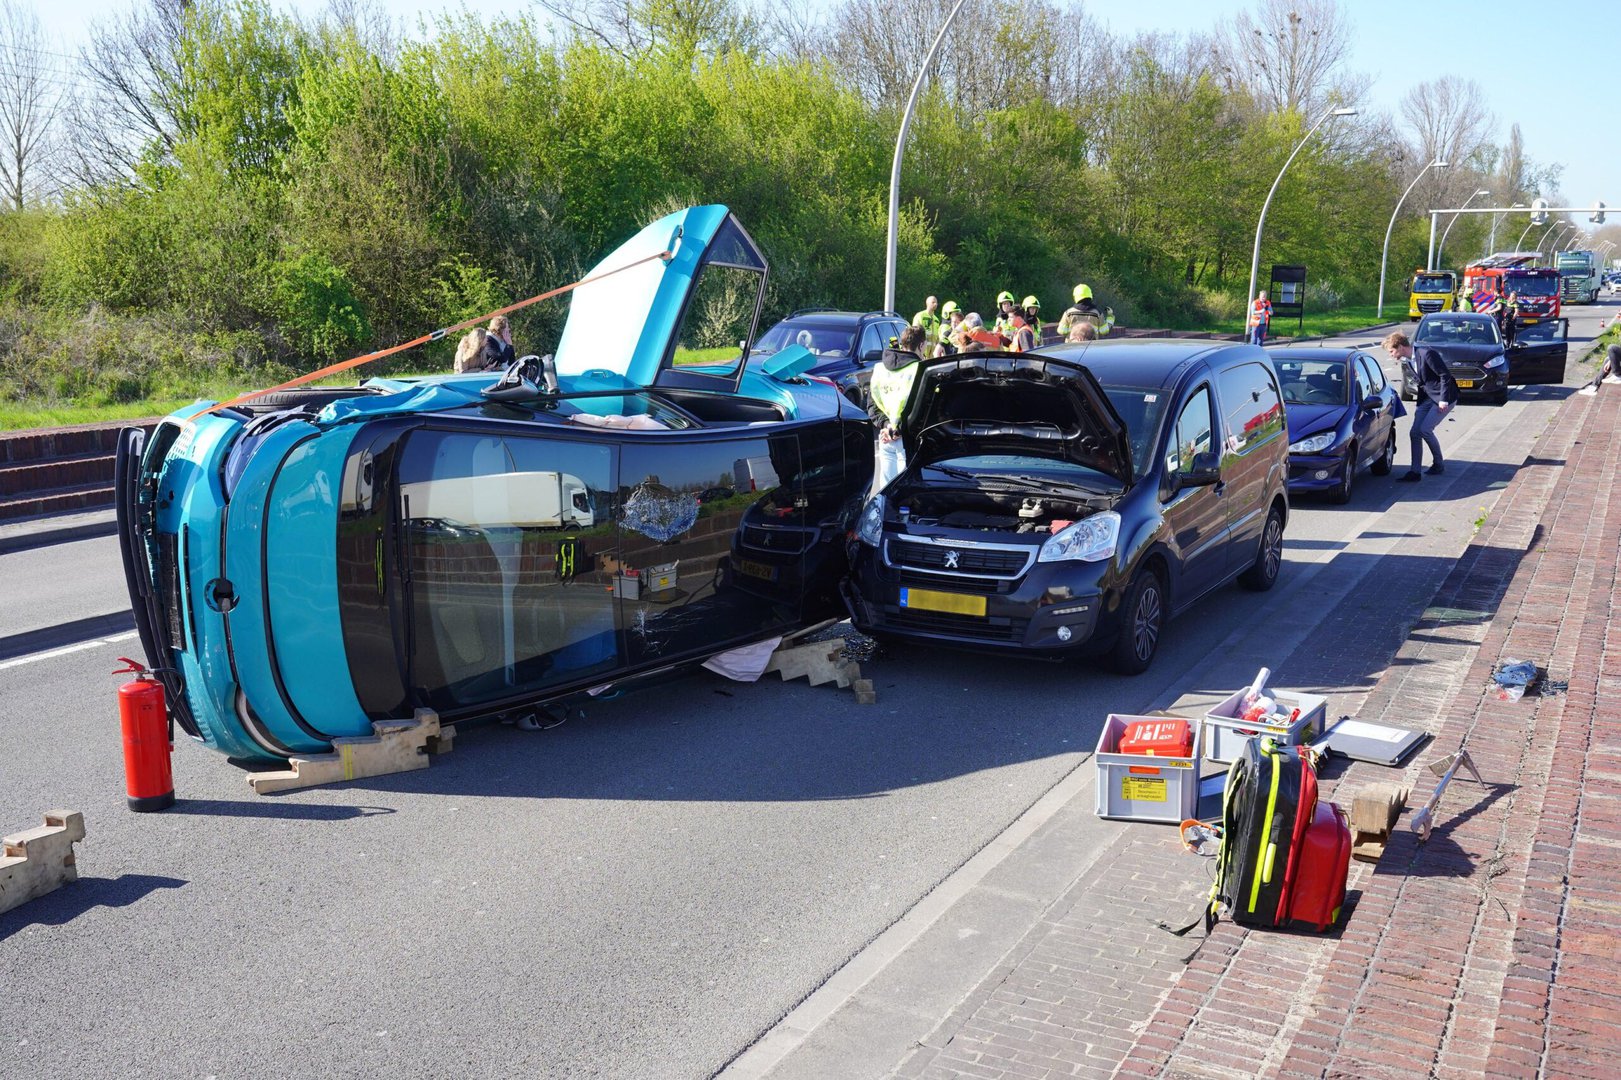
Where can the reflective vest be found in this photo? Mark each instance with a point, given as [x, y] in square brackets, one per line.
[1261, 312]
[1078, 314]
[890, 387]
[930, 322]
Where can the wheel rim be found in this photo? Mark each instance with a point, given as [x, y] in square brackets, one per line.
[1390, 449]
[1145, 622]
[1272, 555]
[1350, 473]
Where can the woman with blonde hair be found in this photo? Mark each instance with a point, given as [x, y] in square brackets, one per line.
[470, 351]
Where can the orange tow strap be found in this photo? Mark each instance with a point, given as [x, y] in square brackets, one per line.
[357, 361]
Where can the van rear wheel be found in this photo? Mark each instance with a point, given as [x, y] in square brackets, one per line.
[1269, 559]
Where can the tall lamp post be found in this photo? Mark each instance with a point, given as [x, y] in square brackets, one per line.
[895, 170]
[1379, 309]
[1543, 240]
[1529, 226]
[1255, 259]
[1491, 241]
[1442, 245]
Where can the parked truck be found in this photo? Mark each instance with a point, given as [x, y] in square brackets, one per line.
[1580, 276]
[1431, 290]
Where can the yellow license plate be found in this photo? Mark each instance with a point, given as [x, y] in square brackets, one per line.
[948, 602]
[1466, 384]
[757, 570]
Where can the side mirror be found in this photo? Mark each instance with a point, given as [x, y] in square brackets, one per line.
[1373, 403]
[1205, 471]
[872, 356]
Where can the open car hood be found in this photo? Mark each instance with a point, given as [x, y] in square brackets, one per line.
[628, 323]
[1014, 403]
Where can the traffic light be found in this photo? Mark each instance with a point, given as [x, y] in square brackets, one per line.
[1597, 216]
[1539, 211]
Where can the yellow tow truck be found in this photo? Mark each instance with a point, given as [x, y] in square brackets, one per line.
[1431, 290]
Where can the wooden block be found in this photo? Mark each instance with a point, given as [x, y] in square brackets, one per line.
[817, 661]
[866, 697]
[40, 860]
[1374, 809]
[398, 746]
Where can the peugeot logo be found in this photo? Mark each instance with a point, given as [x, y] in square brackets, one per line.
[951, 560]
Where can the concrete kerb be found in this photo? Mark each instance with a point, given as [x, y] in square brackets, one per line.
[25, 534]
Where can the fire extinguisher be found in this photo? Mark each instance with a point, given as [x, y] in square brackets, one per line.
[148, 740]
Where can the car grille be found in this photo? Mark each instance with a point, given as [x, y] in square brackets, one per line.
[1467, 371]
[960, 625]
[1429, 305]
[169, 588]
[938, 558]
[779, 539]
[957, 581]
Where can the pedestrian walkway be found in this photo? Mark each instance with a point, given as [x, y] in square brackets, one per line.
[1495, 948]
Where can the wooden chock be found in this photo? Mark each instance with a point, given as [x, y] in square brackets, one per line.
[40, 860]
[1374, 811]
[397, 746]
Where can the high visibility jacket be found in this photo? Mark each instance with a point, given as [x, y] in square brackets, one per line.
[1261, 312]
[929, 322]
[891, 385]
[1085, 311]
[1022, 339]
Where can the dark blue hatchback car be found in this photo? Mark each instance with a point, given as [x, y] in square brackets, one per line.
[1340, 410]
[846, 344]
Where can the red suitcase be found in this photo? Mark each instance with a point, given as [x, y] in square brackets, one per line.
[1325, 862]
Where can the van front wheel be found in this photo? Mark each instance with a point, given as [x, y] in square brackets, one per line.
[1142, 622]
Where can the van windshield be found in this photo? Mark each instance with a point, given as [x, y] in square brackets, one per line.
[1141, 409]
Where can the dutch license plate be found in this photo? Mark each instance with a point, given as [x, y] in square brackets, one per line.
[949, 603]
[1466, 384]
[1142, 789]
[757, 570]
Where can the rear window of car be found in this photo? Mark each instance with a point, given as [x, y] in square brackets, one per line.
[820, 338]
[1312, 382]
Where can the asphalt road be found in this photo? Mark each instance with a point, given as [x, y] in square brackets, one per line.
[643, 892]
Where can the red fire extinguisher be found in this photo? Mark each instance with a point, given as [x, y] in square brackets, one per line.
[148, 740]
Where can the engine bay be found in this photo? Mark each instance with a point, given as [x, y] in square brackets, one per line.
[991, 511]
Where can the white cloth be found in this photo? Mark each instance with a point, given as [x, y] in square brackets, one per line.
[744, 664]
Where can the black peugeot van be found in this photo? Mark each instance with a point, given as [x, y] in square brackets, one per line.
[1070, 501]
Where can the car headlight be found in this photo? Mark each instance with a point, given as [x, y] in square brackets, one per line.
[1314, 445]
[1090, 540]
[871, 527]
[1494, 362]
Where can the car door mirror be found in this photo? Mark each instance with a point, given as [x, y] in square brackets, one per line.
[1203, 471]
[1373, 402]
[872, 356]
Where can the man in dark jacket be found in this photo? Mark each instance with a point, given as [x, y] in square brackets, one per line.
[1437, 394]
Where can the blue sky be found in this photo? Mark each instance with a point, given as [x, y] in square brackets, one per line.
[1396, 42]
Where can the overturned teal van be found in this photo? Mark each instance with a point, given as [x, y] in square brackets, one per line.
[304, 564]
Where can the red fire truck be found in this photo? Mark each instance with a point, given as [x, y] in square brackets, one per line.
[1514, 272]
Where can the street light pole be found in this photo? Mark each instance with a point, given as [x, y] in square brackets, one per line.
[1543, 240]
[895, 170]
[1442, 245]
[1491, 241]
[1384, 258]
[1518, 243]
[1255, 259]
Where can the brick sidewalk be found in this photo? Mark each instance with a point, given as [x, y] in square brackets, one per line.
[1494, 948]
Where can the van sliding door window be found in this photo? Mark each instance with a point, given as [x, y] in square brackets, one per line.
[507, 543]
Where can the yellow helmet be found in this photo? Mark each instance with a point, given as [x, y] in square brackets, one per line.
[1083, 292]
[1031, 301]
[947, 308]
[1004, 297]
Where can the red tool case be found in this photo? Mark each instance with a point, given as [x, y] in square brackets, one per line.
[1325, 862]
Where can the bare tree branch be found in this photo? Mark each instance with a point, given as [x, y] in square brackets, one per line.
[29, 105]
[1290, 54]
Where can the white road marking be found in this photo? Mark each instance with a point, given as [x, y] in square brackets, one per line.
[52, 654]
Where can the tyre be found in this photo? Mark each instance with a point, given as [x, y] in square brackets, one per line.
[1387, 460]
[1263, 574]
[316, 397]
[1142, 622]
[1342, 494]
